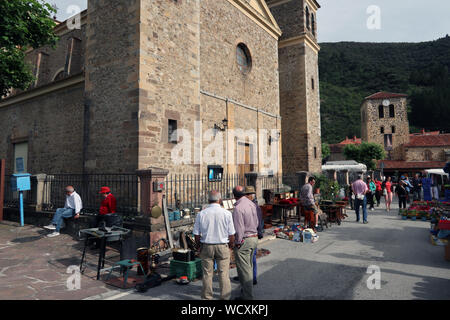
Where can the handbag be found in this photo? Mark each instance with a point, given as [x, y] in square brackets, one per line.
[360, 197]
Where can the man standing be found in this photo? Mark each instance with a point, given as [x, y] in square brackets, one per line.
[417, 187]
[360, 189]
[245, 218]
[371, 192]
[72, 208]
[307, 199]
[378, 191]
[250, 193]
[214, 234]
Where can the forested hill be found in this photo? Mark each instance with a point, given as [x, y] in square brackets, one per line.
[351, 71]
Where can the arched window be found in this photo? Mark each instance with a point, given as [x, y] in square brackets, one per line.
[307, 18]
[243, 58]
[59, 75]
[380, 111]
[313, 24]
[428, 155]
[391, 111]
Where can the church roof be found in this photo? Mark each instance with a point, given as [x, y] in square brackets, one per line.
[402, 165]
[385, 95]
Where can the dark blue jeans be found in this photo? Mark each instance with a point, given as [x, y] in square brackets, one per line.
[60, 214]
[362, 203]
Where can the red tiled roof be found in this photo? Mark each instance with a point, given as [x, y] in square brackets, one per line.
[354, 140]
[339, 147]
[395, 164]
[385, 95]
[441, 140]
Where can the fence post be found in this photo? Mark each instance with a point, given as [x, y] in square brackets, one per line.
[150, 198]
[38, 190]
[2, 186]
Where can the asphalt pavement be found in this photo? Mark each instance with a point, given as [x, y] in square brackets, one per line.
[388, 258]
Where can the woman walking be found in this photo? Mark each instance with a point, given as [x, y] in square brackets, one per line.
[388, 193]
[378, 191]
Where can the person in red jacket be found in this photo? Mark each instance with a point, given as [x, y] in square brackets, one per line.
[378, 191]
[107, 206]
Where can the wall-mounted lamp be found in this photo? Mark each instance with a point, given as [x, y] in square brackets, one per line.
[224, 125]
[273, 139]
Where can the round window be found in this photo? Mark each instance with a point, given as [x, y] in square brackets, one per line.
[243, 57]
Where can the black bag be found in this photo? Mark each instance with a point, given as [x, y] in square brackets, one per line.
[152, 280]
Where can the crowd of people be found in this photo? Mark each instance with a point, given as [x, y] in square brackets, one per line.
[365, 193]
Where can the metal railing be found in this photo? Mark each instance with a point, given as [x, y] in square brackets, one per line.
[125, 187]
[191, 191]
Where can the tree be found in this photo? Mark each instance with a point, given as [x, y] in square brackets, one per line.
[325, 150]
[24, 24]
[365, 153]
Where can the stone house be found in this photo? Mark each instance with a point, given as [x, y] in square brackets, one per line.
[117, 94]
[384, 120]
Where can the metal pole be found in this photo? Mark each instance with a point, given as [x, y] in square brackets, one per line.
[21, 208]
[2, 186]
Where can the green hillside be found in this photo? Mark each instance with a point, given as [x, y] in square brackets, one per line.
[351, 71]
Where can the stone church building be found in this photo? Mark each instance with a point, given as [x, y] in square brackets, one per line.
[110, 96]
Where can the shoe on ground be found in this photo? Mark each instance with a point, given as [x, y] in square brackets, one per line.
[372, 209]
[366, 222]
[53, 234]
[50, 227]
[255, 282]
[357, 220]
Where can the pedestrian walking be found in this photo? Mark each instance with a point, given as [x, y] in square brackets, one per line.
[214, 235]
[245, 218]
[360, 189]
[378, 191]
[401, 193]
[417, 188]
[388, 193]
[371, 192]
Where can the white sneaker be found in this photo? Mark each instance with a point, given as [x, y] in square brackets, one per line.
[53, 234]
[372, 209]
[50, 227]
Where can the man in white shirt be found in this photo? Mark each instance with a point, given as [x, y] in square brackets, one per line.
[214, 233]
[72, 208]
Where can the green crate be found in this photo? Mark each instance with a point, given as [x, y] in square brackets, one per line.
[191, 269]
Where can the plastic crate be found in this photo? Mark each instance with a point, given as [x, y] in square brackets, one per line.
[191, 269]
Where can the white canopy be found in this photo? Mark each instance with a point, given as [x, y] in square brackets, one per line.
[350, 167]
[436, 171]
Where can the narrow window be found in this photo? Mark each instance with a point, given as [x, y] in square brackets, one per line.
[312, 83]
[307, 19]
[380, 111]
[313, 25]
[391, 111]
[382, 130]
[393, 129]
[315, 152]
[172, 131]
[428, 155]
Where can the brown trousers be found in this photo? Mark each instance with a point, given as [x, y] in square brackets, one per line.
[220, 253]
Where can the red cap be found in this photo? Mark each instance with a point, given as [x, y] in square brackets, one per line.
[105, 190]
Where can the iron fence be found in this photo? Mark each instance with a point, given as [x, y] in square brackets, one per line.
[125, 187]
[191, 191]
[281, 183]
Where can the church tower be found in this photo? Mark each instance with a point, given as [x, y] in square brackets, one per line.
[299, 84]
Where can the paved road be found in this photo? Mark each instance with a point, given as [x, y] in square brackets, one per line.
[336, 266]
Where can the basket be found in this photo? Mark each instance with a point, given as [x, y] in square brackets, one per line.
[191, 269]
[184, 256]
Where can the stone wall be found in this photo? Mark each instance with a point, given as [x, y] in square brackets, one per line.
[112, 87]
[371, 125]
[52, 124]
[418, 153]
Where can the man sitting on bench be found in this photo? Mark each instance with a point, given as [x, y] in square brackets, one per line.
[72, 208]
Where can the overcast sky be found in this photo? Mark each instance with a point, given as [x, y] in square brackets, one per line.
[349, 20]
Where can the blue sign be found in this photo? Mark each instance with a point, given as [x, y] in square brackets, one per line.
[20, 165]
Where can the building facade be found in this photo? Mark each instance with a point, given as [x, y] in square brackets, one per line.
[299, 84]
[152, 84]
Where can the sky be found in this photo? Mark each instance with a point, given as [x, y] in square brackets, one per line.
[361, 20]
